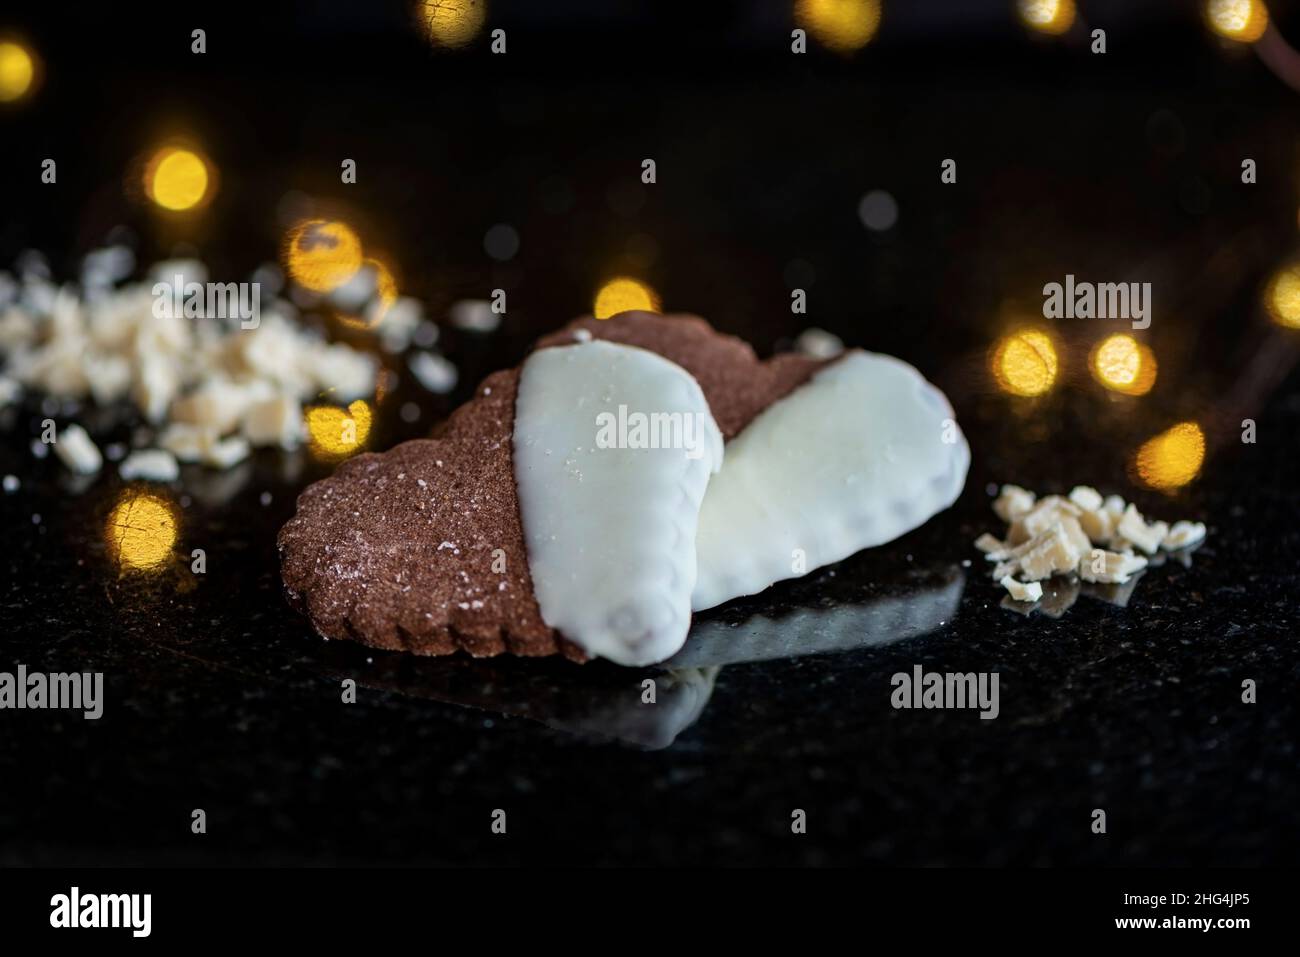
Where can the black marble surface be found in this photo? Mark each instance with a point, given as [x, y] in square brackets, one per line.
[219, 697]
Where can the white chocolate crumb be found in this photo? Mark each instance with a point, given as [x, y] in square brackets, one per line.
[76, 450]
[1045, 513]
[1052, 550]
[474, 315]
[819, 344]
[1013, 502]
[274, 421]
[189, 443]
[1135, 529]
[1097, 524]
[1086, 497]
[10, 390]
[227, 452]
[434, 372]
[1022, 591]
[1182, 534]
[1106, 567]
[152, 465]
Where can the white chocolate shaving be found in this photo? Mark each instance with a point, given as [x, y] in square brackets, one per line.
[1100, 565]
[1013, 502]
[153, 465]
[75, 450]
[1134, 529]
[1021, 591]
[1183, 534]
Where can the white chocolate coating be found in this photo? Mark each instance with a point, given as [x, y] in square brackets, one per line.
[610, 530]
[862, 453]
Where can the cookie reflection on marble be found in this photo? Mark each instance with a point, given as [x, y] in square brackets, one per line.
[591, 701]
[846, 626]
[603, 702]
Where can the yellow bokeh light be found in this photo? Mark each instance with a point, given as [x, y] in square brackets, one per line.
[1282, 298]
[1122, 364]
[1171, 459]
[624, 295]
[1025, 363]
[453, 23]
[141, 530]
[385, 286]
[840, 25]
[17, 71]
[1242, 20]
[322, 254]
[385, 294]
[337, 433]
[177, 179]
[1053, 17]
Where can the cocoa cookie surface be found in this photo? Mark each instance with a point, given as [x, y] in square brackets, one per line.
[420, 548]
[736, 383]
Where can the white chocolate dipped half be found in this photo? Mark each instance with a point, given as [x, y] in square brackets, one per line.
[613, 449]
[862, 453]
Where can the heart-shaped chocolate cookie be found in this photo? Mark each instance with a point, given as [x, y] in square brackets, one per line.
[552, 504]
[428, 548]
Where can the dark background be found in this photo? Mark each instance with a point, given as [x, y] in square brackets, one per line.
[1117, 167]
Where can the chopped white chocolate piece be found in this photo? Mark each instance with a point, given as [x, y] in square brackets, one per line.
[1114, 506]
[1146, 537]
[1086, 497]
[1003, 569]
[109, 376]
[1046, 513]
[1183, 534]
[1100, 565]
[819, 344]
[227, 452]
[189, 443]
[76, 450]
[343, 372]
[275, 421]
[1098, 525]
[155, 384]
[474, 315]
[990, 545]
[1022, 591]
[1013, 502]
[1075, 533]
[218, 404]
[10, 390]
[434, 372]
[1053, 550]
[153, 465]
[17, 328]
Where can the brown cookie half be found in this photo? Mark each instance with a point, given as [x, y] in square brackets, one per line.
[421, 548]
[736, 384]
